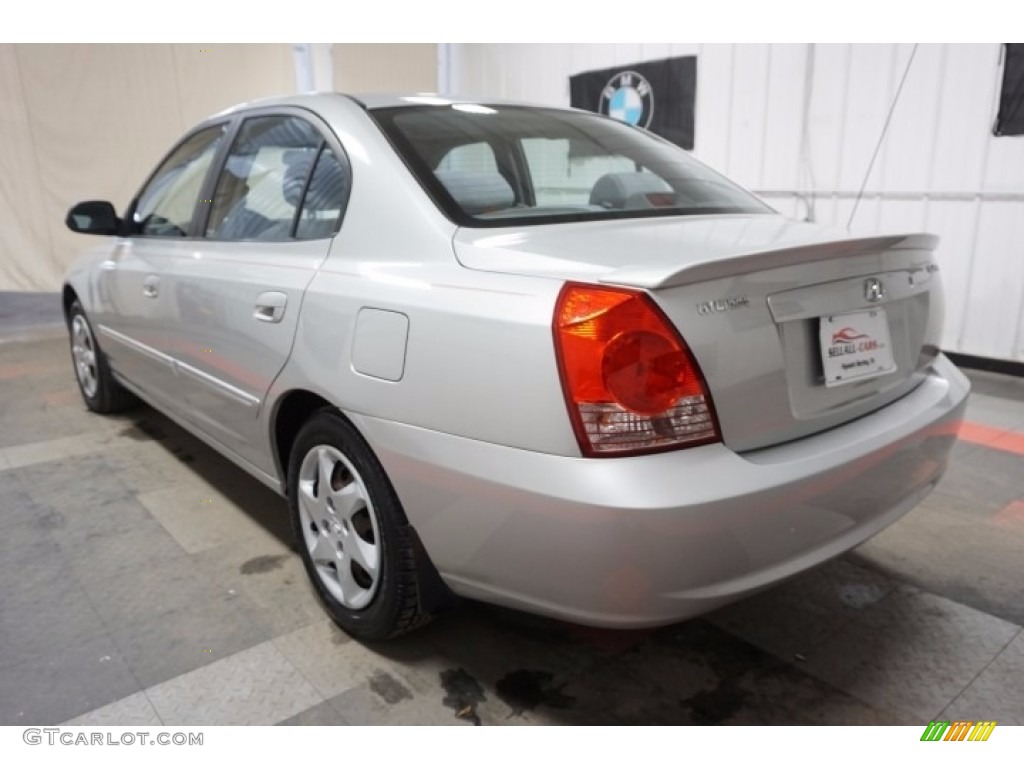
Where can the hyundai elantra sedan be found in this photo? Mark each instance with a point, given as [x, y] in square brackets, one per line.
[531, 356]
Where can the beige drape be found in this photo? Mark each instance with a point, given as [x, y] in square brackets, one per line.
[366, 67]
[81, 122]
[90, 121]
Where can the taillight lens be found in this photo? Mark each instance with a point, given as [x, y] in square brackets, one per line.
[630, 382]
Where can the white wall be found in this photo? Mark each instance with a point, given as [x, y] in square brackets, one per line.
[939, 169]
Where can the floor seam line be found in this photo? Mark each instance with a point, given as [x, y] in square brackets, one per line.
[1007, 644]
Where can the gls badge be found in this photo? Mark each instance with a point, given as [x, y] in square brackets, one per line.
[628, 97]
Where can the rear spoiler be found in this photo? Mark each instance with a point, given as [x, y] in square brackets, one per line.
[654, 278]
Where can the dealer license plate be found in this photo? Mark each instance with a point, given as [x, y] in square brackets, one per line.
[855, 346]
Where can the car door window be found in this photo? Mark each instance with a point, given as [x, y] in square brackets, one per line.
[325, 196]
[261, 185]
[166, 205]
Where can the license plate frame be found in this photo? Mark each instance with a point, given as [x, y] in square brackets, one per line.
[855, 346]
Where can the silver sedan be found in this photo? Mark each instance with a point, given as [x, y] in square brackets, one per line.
[526, 355]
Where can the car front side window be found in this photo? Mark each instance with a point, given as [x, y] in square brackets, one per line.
[165, 206]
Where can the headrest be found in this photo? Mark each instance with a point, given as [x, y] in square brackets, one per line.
[297, 163]
[477, 192]
[613, 189]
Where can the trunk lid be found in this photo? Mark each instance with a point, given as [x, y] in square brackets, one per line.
[797, 328]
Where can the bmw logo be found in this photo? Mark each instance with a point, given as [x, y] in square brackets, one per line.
[628, 97]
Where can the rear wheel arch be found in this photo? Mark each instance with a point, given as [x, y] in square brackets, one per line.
[291, 411]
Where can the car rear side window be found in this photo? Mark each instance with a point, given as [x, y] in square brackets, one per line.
[264, 177]
[165, 206]
[325, 197]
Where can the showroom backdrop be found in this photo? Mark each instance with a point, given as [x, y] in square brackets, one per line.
[799, 124]
[84, 122]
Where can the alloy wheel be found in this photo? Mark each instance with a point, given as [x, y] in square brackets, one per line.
[83, 350]
[339, 526]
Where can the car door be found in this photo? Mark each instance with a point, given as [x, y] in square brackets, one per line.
[235, 294]
[158, 226]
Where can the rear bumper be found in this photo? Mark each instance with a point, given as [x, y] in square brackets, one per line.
[649, 540]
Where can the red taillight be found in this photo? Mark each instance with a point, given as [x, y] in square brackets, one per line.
[630, 382]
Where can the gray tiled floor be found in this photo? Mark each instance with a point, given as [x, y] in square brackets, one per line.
[998, 690]
[256, 686]
[911, 653]
[146, 580]
[80, 675]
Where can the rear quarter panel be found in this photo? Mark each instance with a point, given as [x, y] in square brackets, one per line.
[479, 359]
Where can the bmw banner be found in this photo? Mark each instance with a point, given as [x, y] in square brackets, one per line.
[656, 95]
[1010, 118]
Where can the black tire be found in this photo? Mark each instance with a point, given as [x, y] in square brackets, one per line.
[397, 604]
[108, 395]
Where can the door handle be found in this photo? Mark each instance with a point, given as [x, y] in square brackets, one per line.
[151, 287]
[270, 307]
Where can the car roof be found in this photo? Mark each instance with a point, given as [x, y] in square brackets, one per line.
[384, 100]
[376, 100]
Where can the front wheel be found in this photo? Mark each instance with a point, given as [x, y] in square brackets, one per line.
[97, 384]
[353, 536]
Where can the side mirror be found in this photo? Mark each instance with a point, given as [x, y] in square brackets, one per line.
[93, 217]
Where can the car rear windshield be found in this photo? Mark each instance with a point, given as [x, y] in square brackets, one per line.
[495, 165]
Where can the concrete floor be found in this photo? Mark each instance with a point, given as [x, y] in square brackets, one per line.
[146, 580]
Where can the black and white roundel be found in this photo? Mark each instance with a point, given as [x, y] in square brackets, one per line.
[628, 97]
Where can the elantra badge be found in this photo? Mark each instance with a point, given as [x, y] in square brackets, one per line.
[722, 305]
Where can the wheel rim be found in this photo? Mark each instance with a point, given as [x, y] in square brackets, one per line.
[83, 350]
[339, 526]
